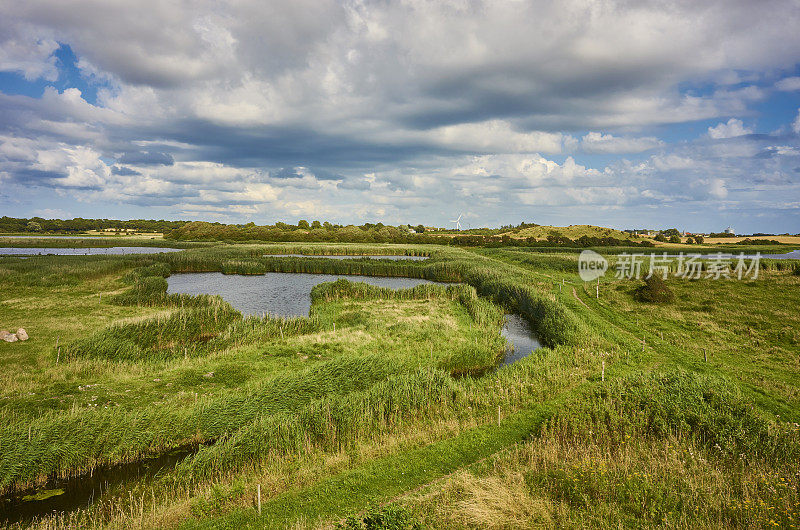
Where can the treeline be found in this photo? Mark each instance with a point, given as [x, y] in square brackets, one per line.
[302, 232]
[36, 225]
[377, 233]
[551, 241]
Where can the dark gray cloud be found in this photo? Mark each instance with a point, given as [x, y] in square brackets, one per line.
[124, 171]
[146, 158]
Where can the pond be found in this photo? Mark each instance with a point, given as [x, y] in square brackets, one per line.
[95, 251]
[342, 256]
[520, 340]
[282, 294]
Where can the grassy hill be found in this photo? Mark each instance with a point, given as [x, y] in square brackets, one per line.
[572, 232]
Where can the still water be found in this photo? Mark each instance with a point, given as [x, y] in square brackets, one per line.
[520, 340]
[282, 294]
[11, 251]
[341, 256]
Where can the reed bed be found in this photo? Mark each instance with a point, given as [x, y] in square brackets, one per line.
[331, 423]
[553, 322]
[74, 443]
[156, 339]
[710, 410]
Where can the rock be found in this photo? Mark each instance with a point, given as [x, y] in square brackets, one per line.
[22, 334]
[8, 337]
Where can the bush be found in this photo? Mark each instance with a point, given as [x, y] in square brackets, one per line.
[382, 518]
[655, 291]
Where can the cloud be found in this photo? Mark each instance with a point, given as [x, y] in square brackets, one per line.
[788, 84]
[146, 158]
[124, 171]
[24, 52]
[796, 123]
[731, 129]
[396, 108]
[595, 142]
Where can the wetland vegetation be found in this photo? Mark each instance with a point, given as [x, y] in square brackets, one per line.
[394, 405]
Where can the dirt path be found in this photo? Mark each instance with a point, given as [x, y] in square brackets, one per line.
[578, 298]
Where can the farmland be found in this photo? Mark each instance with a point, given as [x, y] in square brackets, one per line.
[392, 402]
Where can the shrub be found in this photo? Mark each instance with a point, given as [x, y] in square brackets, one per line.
[655, 291]
[390, 517]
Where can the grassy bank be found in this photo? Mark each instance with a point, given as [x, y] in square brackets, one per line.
[678, 415]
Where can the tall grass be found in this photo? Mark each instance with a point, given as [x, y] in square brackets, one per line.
[329, 423]
[76, 442]
[158, 338]
[709, 409]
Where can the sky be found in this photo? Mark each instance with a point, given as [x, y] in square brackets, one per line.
[628, 114]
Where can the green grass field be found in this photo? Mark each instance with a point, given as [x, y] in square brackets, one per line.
[385, 405]
[573, 232]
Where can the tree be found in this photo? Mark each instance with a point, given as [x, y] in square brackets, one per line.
[690, 240]
[655, 291]
[674, 239]
[660, 237]
[302, 223]
[33, 226]
[699, 239]
[420, 229]
[316, 224]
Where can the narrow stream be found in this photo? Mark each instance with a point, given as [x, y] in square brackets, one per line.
[520, 340]
[66, 495]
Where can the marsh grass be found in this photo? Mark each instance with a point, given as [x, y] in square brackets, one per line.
[674, 450]
[158, 338]
[664, 440]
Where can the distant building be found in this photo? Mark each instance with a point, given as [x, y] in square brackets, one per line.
[729, 230]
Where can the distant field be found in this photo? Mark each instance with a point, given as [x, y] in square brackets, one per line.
[794, 240]
[712, 241]
[572, 232]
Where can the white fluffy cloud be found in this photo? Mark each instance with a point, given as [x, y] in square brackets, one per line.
[730, 129]
[788, 84]
[25, 52]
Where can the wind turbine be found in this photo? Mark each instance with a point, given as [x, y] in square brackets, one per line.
[458, 222]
